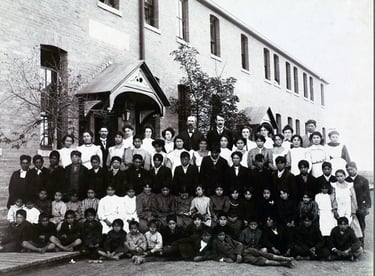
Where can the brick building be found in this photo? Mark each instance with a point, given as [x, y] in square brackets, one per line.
[122, 51]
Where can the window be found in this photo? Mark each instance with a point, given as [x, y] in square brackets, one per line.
[276, 68]
[183, 20]
[53, 67]
[288, 76]
[305, 91]
[267, 69]
[152, 13]
[290, 122]
[278, 122]
[295, 76]
[321, 94]
[311, 88]
[298, 127]
[244, 52]
[112, 3]
[215, 35]
[184, 100]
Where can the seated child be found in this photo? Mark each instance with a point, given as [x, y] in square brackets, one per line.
[222, 225]
[276, 238]
[308, 207]
[113, 247]
[267, 205]
[91, 234]
[251, 237]
[32, 213]
[170, 234]
[196, 247]
[343, 242]
[43, 231]
[234, 221]
[144, 207]
[135, 243]
[69, 236]
[219, 203]
[307, 242]
[182, 208]
[154, 239]
[89, 202]
[74, 204]
[286, 209]
[18, 205]
[197, 227]
[17, 233]
[201, 205]
[249, 206]
[130, 207]
[226, 249]
[109, 209]
[163, 205]
[58, 210]
[43, 203]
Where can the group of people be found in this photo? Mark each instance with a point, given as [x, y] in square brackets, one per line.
[193, 197]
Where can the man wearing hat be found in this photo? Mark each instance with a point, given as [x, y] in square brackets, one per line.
[17, 184]
[310, 128]
[191, 135]
[343, 243]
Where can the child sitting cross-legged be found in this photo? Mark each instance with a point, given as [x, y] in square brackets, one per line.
[135, 244]
[91, 235]
[154, 239]
[113, 246]
[69, 236]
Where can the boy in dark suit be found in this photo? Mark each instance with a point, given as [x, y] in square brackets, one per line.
[283, 179]
[75, 177]
[305, 181]
[237, 175]
[159, 174]
[36, 178]
[185, 174]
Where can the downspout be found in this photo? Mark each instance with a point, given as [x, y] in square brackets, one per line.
[141, 30]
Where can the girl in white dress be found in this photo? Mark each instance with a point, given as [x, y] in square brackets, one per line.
[327, 205]
[88, 149]
[199, 154]
[279, 150]
[224, 151]
[316, 154]
[110, 208]
[297, 153]
[346, 201]
[130, 208]
[168, 135]
[338, 153]
[65, 151]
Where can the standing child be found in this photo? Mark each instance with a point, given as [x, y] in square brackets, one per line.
[91, 235]
[58, 210]
[69, 236]
[32, 213]
[305, 181]
[97, 177]
[18, 205]
[130, 207]
[154, 239]
[316, 154]
[75, 205]
[109, 209]
[347, 201]
[113, 247]
[327, 206]
[89, 202]
[201, 204]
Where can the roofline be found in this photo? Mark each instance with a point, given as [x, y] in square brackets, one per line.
[239, 23]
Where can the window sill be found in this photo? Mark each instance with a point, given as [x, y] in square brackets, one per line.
[288, 91]
[245, 71]
[268, 81]
[296, 94]
[275, 83]
[323, 106]
[306, 99]
[152, 29]
[182, 41]
[109, 8]
[216, 58]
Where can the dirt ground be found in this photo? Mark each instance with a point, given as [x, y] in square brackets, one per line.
[363, 267]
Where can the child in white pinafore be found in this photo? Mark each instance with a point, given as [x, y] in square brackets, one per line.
[130, 209]
[327, 209]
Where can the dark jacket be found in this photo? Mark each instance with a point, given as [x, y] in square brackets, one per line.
[238, 181]
[310, 185]
[163, 176]
[286, 181]
[97, 181]
[193, 141]
[210, 174]
[188, 180]
[362, 191]
[213, 137]
[82, 181]
[17, 188]
[35, 182]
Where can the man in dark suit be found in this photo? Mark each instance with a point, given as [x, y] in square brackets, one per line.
[362, 191]
[75, 177]
[305, 181]
[36, 178]
[283, 180]
[104, 143]
[191, 135]
[212, 170]
[326, 177]
[214, 135]
[17, 184]
[185, 175]
[236, 176]
[159, 175]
